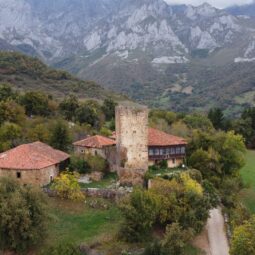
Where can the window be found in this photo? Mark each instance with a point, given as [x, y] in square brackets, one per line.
[51, 178]
[172, 151]
[161, 151]
[156, 151]
[18, 175]
[178, 150]
[173, 160]
[151, 152]
[183, 150]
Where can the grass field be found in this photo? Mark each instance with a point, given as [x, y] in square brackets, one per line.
[77, 223]
[248, 176]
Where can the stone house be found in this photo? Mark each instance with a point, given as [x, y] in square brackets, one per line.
[94, 145]
[35, 163]
[97, 145]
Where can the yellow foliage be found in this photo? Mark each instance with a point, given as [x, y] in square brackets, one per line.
[191, 185]
[67, 186]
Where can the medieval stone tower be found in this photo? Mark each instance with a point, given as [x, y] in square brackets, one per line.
[132, 143]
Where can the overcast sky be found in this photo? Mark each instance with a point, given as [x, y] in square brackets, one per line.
[216, 3]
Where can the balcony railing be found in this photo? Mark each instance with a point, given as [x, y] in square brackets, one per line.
[166, 157]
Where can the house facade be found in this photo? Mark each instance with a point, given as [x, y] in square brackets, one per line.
[35, 163]
[163, 146]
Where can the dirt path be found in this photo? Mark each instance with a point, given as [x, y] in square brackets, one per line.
[216, 233]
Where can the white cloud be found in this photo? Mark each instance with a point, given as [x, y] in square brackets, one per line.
[216, 3]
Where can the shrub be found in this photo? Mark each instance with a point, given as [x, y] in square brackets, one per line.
[140, 211]
[79, 164]
[67, 186]
[23, 216]
[175, 239]
[63, 249]
[97, 163]
[243, 240]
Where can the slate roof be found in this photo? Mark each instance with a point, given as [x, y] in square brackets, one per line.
[33, 156]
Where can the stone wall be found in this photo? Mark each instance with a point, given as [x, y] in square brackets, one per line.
[132, 141]
[36, 177]
[79, 150]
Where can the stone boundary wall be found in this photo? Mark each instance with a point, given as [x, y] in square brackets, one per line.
[113, 194]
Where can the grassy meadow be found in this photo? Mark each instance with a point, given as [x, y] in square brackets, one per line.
[78, 223]
[248, 176]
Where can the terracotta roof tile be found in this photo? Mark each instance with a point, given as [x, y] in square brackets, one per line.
[95, 142]
[31, 156]
[159, 138]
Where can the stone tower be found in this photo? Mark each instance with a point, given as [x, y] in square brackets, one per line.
[132, 143]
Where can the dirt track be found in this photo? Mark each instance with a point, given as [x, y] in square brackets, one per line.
[216, 233]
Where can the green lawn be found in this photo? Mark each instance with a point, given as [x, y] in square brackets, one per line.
[77, 223]
[248, 176]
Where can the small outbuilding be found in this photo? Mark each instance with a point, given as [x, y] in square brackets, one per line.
[94, 145]
[35, 163]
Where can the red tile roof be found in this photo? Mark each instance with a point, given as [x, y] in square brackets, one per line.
[97, 141]
[159, 138]
[33, 156]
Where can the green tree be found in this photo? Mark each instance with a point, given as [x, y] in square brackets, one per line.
[40, 132]
[176, 239]
[68, 107]
[243, 240]
[36, 103]
[67, 186]
[108, 109]
[198, 121]
[216, 116]
[96, 163]
[88, 113]
[6, 92]
[10, 135]
[23, 216]
[140, 211]
[60, 136]
[12, 112]
[79, 164]
[208, 162]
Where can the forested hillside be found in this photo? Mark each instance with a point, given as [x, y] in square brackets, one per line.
[27, 73]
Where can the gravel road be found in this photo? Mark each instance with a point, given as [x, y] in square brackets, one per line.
[216, 233]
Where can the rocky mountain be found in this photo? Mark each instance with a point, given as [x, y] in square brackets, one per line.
[245, 10]
[128, 45]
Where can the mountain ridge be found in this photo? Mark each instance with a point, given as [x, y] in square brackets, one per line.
[130, 45]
